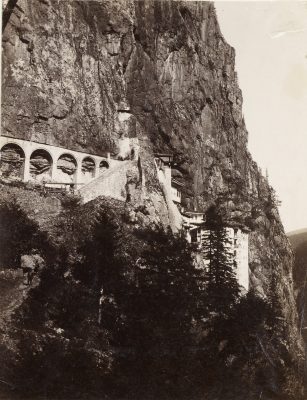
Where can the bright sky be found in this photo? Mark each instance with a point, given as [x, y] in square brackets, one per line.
[270, 39]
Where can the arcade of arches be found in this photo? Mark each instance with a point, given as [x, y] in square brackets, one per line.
[30, 161]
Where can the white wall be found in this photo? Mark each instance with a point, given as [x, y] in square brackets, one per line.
[239, 248]
[165, 178]
[111, 183]
[176, 195]
[242, 259]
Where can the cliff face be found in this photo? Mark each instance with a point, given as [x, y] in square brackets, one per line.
[84, 74]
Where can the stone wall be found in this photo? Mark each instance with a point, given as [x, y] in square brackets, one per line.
[240, 251]
[111, 183]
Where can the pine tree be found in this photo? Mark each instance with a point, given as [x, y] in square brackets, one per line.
[222, 286]
[161, 310]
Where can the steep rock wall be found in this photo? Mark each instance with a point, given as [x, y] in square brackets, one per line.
[84, 75]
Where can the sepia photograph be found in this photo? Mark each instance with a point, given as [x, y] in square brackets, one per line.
[153, 186]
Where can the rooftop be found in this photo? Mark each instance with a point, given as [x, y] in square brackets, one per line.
[175, 182]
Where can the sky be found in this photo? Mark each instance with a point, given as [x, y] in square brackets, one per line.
[270, 39]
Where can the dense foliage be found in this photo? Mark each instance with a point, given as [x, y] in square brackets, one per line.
[19, 235]
[222, 285]
[154, 332]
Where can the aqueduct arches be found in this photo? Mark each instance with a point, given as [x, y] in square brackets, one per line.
[66, 168]
[88, 168]
[103, 165]
[32, 161]
[41, 165]
[12, 161]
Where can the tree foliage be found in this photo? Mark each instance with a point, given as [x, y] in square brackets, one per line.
[161, 305]
[19, 234]
[222, 286]
[167, 328]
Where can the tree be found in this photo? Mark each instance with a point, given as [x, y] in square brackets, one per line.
[231, 355]
[70, 204]
[61, 350]
[97, 248]
[161, 306]
[155, 338]
[222, 286]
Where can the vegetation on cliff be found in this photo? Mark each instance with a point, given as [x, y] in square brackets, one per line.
[160, 71]
[19, 234]
[222, 285]
[153, 335]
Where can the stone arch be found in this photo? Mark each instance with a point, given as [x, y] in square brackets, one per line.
[41, 165]
[88, 169]
[66, 168]
[103, 165]
[12, 161]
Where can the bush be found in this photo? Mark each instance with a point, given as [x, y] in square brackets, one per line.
[154, 333]
[19, 234]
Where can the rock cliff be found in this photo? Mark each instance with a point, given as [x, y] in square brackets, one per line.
[86, 74]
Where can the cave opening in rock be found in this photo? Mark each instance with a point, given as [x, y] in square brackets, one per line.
[12, 161]
[88, 169]
[66, 168]
[40, 165]
[103, 166]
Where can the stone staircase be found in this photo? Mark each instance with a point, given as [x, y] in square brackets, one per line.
[110, 183]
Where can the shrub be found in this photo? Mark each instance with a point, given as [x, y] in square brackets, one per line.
[18, 235]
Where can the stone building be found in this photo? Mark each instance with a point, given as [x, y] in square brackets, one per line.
[194, 223]
[95, 175]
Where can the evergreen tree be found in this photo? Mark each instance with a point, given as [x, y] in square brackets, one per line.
[161, 308]
[222, 286]
[155, 338]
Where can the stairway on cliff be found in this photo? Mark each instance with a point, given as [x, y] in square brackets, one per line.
[110, 183]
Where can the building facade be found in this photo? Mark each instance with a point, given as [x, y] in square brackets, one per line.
[194, 225]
